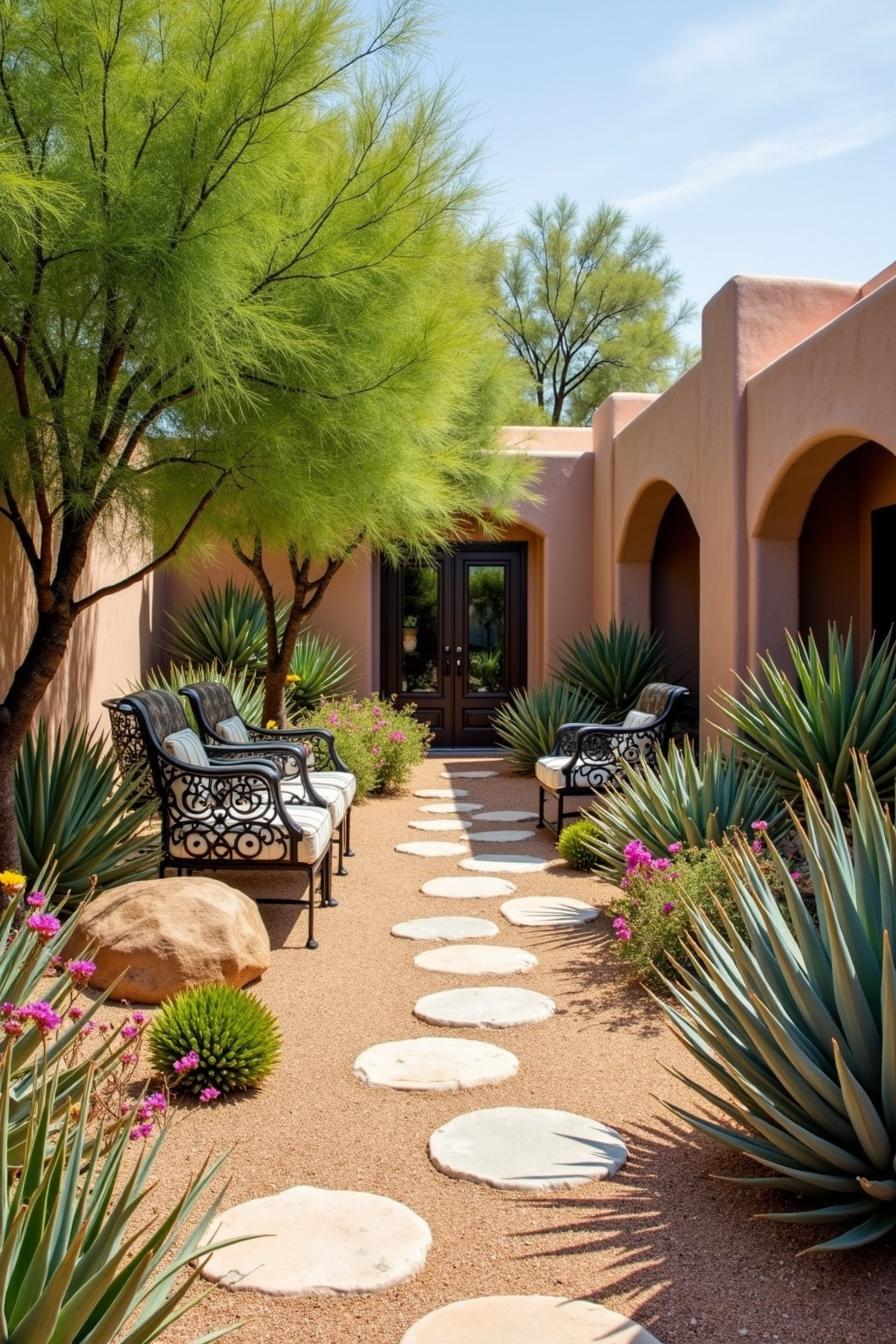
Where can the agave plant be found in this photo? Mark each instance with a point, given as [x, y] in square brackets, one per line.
[614, 664]
[527, 724]
[796, 1020]
[809, 725]
[247, 691]
[71, 809]
[226, 626]
[318, 668]
[680, 798]
[75, 1266]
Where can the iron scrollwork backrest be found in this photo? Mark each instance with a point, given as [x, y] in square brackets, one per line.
[130, 750]
[227, 816]
[211, 702]
[658, 698]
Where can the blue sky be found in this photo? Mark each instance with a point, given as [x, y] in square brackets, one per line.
[758, 137]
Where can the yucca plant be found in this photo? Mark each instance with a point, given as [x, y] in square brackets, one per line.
[319, 667]
[72, 809]
[527, 724]
[808, 723]
[613, 664]
[229, 1038]
[224, 625]
[680, 799]
[795, 1020]
[247, 691]
[84, 1259]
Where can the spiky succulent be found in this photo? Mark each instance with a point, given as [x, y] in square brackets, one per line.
[246, 690]
[224, 625]
[318, 667]
[527, 724]
[613, 664]
[680, 798]
[795, 1020]
[808, 722]
[574, 844]
[234, 1038]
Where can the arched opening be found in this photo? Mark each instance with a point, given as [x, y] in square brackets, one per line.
[675, 593]
[847, 546]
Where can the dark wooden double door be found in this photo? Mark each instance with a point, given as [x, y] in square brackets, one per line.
[454, 638]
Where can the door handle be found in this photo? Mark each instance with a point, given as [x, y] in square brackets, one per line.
[458, 659]
[447, 663]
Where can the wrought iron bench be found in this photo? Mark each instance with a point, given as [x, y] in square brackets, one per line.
[221, 724]
[226, 807]
[588, 756]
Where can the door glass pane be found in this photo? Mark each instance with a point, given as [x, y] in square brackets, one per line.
[486, 609]
[420, 629]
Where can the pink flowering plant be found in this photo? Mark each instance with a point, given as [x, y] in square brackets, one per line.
[379, 741]
[651, 920]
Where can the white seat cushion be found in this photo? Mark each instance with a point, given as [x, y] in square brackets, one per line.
[318, 828]
[549, 771]
[636, 718]
[332, 795]
[343, 780]
[229, 836]
[186, 747]
[233, 730]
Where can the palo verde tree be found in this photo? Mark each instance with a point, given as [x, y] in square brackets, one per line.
[589, 307]
[171, 249]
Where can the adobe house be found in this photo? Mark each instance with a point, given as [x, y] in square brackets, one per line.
[757, 494]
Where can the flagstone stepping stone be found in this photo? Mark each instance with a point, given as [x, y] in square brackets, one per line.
[507, 815]
[434, 1064]
[431, 849]
[441, 793]
[469, 774]
[314, 1242]
[441, 808]
[548, 911]
[505, 863]
[442, 824]
[500, 837]
[484, 1006]
[467, 888]
[445, 928]
[526, 1148]
[526, 1320]
[471, 959]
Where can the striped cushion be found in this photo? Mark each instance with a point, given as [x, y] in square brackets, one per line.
[186, 747]
[233, 730]
[636, 718]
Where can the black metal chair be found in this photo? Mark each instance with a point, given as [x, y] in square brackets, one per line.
[220, 723]
[589, 756]
[226, 807]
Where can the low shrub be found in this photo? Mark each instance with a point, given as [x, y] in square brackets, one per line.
[527, 724]
[613, 664]
[575, 844]
[214, 1039]
[379, 741]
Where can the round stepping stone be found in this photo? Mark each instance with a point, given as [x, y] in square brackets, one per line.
[441, 808]
[484, 1007]
[526, 1148]
[505, 863]
[434, 1064]
[469, 774]
[445, 928]
[470, 959]
[526, 1320]
[440, 793]
[317, 1243]
[548, 911]
[507, 815]
[467, 888]
[442, 824]
[499, 837]
[431, 849]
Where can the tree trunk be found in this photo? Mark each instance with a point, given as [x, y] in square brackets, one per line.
[275, 692]
[34, 674]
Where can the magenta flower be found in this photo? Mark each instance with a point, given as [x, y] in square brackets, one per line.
[12, 1027]
[758, 846]
[622, 928]
[141, 1131]
[797, 875]
[75, 1013]
[138, 1017]
[45, 926]
[88, 1029]
[81, 970]
[660, 865]
[676, 847]
[156, 1101]
[209, 1094]
[8, 1010]
[129, 1058]
[668, 907]
[758, 825]
[397, 736]
[333, 719]
[43, 1015]
[36, 899]
[128, 1033]
[186, 1062]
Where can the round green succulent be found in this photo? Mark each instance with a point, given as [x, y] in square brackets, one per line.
[573, 844]
[214, 1036]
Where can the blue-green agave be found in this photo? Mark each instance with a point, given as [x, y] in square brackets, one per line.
[795, 1019]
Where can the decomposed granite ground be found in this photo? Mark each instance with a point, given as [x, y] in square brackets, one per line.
[661, 1241]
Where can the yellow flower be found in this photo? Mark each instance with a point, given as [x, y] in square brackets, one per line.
[293, 677]
[11, 883]
[271, 723]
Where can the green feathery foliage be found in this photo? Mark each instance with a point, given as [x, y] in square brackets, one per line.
[680, 798]
[795, 1020]
[527, 724]
[613, 664]
[573, 844]
[319, 667]
[810, 724]
[224, 625]
[73, 812]
[235, 1037]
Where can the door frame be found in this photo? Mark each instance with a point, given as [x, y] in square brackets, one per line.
[450, 616]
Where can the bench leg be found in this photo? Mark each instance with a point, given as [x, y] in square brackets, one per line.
[311, 944]
[341, 871]
[559, 812]
[326, 880]
[349, 852]
[540, 806]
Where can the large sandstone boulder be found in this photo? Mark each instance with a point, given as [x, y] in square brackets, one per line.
[167, 935]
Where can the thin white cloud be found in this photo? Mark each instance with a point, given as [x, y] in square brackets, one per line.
[809, 143]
